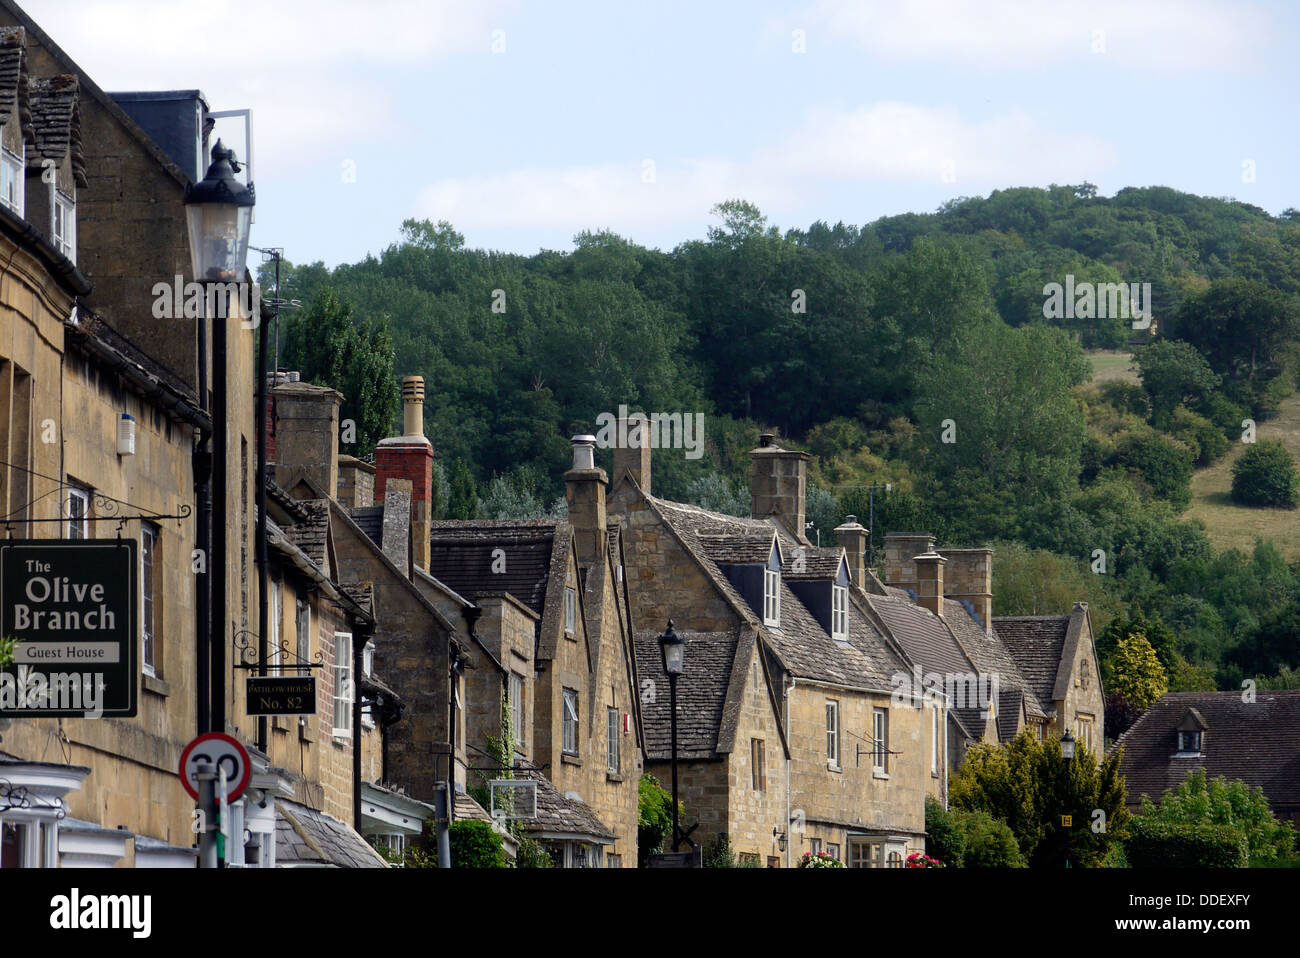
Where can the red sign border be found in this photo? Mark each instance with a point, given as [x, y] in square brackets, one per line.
[234, 793]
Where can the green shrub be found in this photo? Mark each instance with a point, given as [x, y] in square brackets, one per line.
[1158, 844]
[718, 854]
[475, 844]
[945, 839]
[1163, 463]
[989, 842]
[1265, 475]
[1205, 440]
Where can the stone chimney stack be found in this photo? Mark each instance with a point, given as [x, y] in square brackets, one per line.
[410, 456]
[901, 550]
[777, 484]
[307, 434]
[632, 458]
[969, 578]
[929, 581]
[356, 482]
[584, 488]
[853, 537]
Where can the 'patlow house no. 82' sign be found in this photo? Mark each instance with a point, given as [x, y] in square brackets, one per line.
[72, 604]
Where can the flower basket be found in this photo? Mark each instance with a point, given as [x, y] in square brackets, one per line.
[819, 860]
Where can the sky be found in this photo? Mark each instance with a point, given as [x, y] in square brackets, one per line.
[524, 123]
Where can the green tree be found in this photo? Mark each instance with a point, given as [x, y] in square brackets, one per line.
[330, 347]
[1265, 475]
[1174, 373]
[462, 502]
[1136, 673]
[474, 844]
[1028, 785]
[1199, 800]
[655, 817]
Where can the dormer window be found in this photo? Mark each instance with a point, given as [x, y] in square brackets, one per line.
[771, 598]
[11, 181]
[839, 613]
[63, 217]
[1189, 741]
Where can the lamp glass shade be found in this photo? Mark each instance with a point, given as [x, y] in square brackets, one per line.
[1067, 746]
[219, 235]
[673, 648]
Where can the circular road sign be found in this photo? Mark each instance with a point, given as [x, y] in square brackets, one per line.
[221, 751]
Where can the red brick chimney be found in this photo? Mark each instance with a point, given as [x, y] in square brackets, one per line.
[410, 457]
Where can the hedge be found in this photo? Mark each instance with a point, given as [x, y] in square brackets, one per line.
[1153, 844]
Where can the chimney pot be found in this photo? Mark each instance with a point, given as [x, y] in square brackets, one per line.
[766, 439]
[413, 405]
[584, 452]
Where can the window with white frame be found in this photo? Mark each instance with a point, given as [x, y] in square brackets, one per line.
[880, 740]
[570, 610]
[367, 669]
[516, 694]
[771, 597]
[570, 722]
[1084, 725]
[63, 217]
[1189, 741]
[814, 846]
[343, 684]
[613, 729]
[302, 625]
[149, 598]
[11, 181]
[833, 732]
[78, 511]
[866, 854]
[839, 613]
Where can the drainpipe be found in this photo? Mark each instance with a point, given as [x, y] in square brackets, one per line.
[789, 842]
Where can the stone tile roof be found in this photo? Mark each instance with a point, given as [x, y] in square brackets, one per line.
[280, 496]
[1257, 742]
[151, 377]
[738, 549]
[701, 693]
[312, 534]
[558, 815]
[56, 125]
[813, 563]
[304, 836]
[371, 521]
[13, 78]
[460, 556]
[924, 636]
[992, 657]
[1036, 643]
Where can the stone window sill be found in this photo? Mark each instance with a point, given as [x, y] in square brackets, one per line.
[342, 741]
[280, 723]
[156, 685]
[569, 759]
[832, 767]
[305, 733]
[878, 774]
[613, 777]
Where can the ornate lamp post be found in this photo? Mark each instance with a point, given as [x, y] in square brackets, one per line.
[1067, 753]
[673, 649]
[219, 214]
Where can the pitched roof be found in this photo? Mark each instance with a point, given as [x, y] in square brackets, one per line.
[558, 815]
[311, 535]
[371, 521]
[304, 836]
[461, 556]
[923, 635]
[56, 126]
[13, 77]
[743, 548]
[701, 693]
[992, 657]
[1257, 742]
[811, 562]
[1036, 643]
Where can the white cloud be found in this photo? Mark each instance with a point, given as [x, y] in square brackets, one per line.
[1014, 34]
[314, 72]
[884, 144]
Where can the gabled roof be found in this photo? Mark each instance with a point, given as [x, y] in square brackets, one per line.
[701, 693]
[924, 636]
[741, 548]
[992, 657]
[311, 533]
[56, 125]
[1036, 644]
[461, 555]
[561, 817]
[13, 78]
[1257, 742]
[304, 836]
[811, 562]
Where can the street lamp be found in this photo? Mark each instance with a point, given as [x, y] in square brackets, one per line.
[1067, 746]
[673, 649]
[219, 215]
[780, 838]
[1067, 753]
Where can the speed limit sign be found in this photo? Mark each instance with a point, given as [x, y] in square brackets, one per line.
[221, 752]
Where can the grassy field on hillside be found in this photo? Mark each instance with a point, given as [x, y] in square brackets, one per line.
[1109, 364]
[1232, 526]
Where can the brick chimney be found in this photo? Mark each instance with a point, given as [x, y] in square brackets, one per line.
[410, 456]
[969, 578]
[632, 458]
[777, 484]
[852, 535]
[929, 581]
[307, 434]
[901, 550]
[584, 488]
